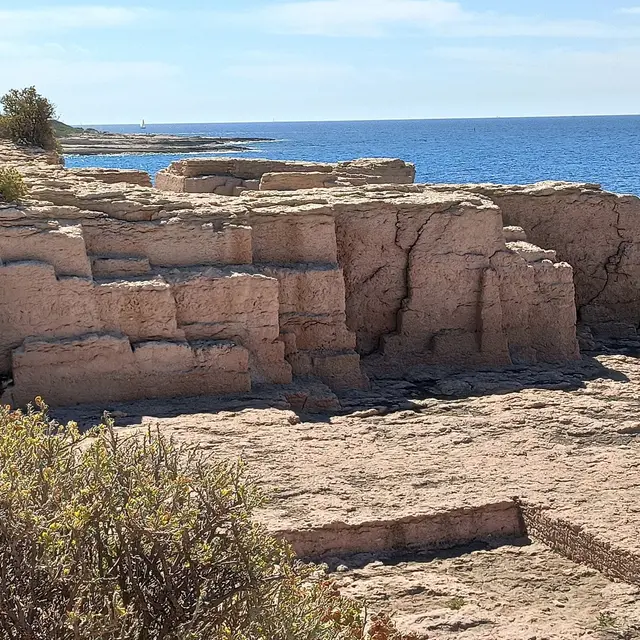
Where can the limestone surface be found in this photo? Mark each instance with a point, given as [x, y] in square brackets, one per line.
[596, 232]
[397, 363]
[231, 176]
[339, 285]
[402, 454]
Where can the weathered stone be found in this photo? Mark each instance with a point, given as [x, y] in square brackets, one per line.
[596, 232]
[114, 176]
[204, 175]
[298, 283]
[293, 181]
[105, 368]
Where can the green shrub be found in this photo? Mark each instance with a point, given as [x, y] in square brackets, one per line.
[12, 185]
[27, 118]
[4, 127]
[112, 537]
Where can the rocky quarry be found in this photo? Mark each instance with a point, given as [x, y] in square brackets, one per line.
[408, 367]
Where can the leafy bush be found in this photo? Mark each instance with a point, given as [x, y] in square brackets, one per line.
[12, 185]
[27, 118]
[117, 537]
[4, 127]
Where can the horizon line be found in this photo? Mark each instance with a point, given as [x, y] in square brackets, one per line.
[436, 119]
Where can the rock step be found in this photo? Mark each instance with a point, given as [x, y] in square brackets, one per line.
[112, 266]
[101, 368]
[573, 541]
[437, 530]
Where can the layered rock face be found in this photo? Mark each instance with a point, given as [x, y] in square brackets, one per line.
[116, 292]
[433, 280]
[113, 176]
[112, 291]
[231, 177]
[597, 232]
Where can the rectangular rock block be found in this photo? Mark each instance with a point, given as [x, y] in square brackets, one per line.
[141, 309]
[314, 332]
[292, 181]
[171, 243]
[59, 244]
[104, 368]
[309, 289]
[294, 239]
[340, 371]
[237, 306]
[126, 266]
[34, 302]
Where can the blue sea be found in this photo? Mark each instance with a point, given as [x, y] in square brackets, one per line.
[602, 149]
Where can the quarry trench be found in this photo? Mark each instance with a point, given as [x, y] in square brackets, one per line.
[502, 570]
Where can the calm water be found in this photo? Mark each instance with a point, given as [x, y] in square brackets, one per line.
[506, 150]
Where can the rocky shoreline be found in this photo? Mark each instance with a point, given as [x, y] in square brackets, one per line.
[90, 144]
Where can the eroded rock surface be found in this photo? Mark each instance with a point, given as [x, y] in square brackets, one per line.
[566, 438]
[231, 177]
[338, 284]
[427, 326]
[512, 592]
[598, 233]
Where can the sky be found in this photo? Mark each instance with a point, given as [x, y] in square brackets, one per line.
[291, 60]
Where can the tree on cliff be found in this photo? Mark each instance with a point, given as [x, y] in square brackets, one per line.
[26, 118]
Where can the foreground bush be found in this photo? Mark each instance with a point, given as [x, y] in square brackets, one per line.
[12, 186]
[27, 118]
[111, 537]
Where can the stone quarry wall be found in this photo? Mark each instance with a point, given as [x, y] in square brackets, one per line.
[232, 177]
[433, 280]
[113, 291]
[597, 232]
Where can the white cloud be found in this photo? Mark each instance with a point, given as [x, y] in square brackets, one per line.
[287, 72]
[62, 18]
[443, 18]
[629, 11]
[358, 17]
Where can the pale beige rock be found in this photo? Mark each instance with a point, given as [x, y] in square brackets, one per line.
[596, 232]
[293, 181]
[512, 592]
[427, 281]
[126, 266]
[60, 244]
[378, 170]
[35, 302]
[237, 306]
[306, 281]
[170, 243]
[204, 175]
[142, 309]
[255, 288]
[223, 175]
[305, 236]
[102, 369]
[114, 176]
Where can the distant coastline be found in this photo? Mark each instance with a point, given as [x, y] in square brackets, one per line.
[95, 143]
[497, 150]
